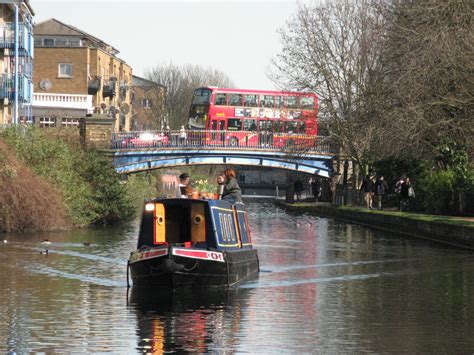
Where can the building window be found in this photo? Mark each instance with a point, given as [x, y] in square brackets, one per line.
[65, 70]
[48, 41]
[146, 103]
[70, 122]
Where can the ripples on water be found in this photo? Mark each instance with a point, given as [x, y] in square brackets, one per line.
[324, 286]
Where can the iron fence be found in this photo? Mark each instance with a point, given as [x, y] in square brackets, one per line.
[297, 144]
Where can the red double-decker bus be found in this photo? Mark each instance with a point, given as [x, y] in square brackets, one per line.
[240, 118]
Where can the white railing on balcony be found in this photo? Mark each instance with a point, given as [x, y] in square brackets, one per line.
[70, 101]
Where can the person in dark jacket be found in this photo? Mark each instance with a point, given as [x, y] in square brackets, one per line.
[367, 188]
[298, 189]
[231, 188]
[316, 189]
[406, 191]
[381, 188]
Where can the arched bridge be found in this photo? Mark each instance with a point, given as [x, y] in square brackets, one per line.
[142, 151]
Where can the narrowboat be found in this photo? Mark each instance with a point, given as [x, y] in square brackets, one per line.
[193, 242]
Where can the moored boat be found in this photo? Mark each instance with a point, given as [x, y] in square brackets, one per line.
[193, 242]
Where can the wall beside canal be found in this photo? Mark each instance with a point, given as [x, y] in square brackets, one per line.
[443, 229]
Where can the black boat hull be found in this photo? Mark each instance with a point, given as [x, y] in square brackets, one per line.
[175, 271]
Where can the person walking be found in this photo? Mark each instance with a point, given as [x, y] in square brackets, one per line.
[316, 189]
[298, 189]
[367, 188]
[406, 192]
[381, 188]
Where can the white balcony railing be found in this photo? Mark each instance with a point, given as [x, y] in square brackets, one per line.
[66, 101]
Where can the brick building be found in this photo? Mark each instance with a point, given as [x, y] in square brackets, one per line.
[148, 99]
[16, 61]
[77, 74]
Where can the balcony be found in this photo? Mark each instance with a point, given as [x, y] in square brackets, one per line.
[67, 102]
[25, 39]
[93, 85]
[7, 87]
[108, 90]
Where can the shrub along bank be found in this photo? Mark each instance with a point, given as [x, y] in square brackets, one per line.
[80, 185]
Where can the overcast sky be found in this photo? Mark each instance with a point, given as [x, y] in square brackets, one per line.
[236, 37]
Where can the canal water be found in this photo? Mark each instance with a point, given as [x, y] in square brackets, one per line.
[324, 286]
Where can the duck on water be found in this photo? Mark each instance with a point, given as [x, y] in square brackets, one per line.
[193, 242]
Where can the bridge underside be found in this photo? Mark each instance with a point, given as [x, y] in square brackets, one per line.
[128, 162]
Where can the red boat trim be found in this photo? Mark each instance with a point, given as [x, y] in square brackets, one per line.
[147, 254]
[199, 254]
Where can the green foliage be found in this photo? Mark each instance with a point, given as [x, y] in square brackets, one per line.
[91, 190]
[141, 186]
[455, 158]
[435, 182]
[436, 187]
[392, 168]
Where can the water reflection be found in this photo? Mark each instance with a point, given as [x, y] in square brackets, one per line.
[191, 320]
[324, 286]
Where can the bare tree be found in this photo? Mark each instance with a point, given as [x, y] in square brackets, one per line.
[180, 82]
[332, 48]
[427, 96]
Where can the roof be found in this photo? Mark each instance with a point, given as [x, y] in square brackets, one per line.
[54, 27]
[142, 82]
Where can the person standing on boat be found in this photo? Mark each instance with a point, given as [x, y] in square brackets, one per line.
[184, 184]
[231, 187]
[220, 185]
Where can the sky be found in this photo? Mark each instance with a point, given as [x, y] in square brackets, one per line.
[237, 37]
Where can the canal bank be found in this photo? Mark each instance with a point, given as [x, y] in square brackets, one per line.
[449, 230]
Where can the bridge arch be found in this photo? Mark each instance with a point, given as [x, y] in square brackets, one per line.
[129, 162]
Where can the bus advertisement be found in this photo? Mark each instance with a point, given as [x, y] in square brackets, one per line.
[250, 118]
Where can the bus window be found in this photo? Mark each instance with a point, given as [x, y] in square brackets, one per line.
[202, 96]
[290, 127]
[250, 125]
[278, 102]
[235, 99]
[290, 101]
[234, 124]
[270, 126]
[220, 99]
[251, 100]
[302, 127]
[278, 126]
[198, 116]
[266, 101]
[306, 102]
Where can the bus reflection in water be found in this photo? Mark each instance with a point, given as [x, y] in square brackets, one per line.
[255, 118]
